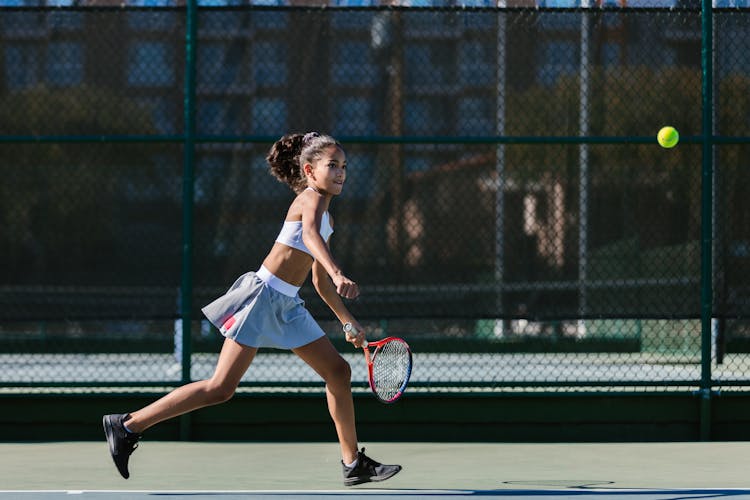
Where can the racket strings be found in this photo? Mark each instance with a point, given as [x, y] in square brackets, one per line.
[391, 366]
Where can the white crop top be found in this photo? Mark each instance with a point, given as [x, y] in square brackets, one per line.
[291, 233]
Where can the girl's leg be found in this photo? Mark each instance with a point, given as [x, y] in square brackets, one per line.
[328, 363]
[234, 361]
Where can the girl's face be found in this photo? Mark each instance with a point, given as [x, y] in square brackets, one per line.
[328, 172]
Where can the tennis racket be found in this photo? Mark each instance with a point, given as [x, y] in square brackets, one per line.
[388, 368]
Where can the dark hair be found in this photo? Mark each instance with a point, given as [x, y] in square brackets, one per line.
[292, 151]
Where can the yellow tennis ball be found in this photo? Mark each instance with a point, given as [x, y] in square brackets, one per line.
[668, 137]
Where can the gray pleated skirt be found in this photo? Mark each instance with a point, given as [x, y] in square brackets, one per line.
[258, 311]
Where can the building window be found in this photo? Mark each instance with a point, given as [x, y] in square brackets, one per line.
[558, 59]
[269, 63]
[426, 117]
[353, 66]
[478, 61]
[354, 116]
[476, 116]
[150, 65]
[429, 66]
[269, 116]
[64, 64]
[220, 65]
[21, 65]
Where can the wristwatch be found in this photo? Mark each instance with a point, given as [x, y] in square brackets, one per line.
[348, 328]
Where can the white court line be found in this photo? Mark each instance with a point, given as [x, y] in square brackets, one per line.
[353, 491]
[297, 494]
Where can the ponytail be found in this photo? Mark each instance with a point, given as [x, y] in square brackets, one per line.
[283, 158]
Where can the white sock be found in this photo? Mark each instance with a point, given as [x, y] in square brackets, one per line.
[353, 464]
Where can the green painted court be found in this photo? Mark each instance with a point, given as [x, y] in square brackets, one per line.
[637, 470]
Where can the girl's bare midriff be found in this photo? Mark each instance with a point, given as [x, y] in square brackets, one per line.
[288, 264]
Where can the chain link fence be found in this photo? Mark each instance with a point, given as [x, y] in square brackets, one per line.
[507, 209]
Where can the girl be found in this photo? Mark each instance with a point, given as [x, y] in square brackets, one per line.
[262, 309]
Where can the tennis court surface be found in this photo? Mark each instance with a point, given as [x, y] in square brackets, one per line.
[197, 470]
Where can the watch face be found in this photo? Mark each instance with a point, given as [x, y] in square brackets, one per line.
[347, 327]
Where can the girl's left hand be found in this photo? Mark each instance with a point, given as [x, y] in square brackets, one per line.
[345, 287]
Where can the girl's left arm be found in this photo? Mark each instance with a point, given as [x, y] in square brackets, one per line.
[327, 291]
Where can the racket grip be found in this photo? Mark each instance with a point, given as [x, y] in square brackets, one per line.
[348, 328]
[365, 344]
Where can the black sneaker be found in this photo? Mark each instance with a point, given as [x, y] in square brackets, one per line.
[366, 469]
[121, 442]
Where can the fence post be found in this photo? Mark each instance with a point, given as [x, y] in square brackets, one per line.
[706, 215]
[187, 200]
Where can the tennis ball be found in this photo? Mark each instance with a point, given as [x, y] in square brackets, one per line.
[668, 137]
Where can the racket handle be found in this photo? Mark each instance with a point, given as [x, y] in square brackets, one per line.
[348, 328]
